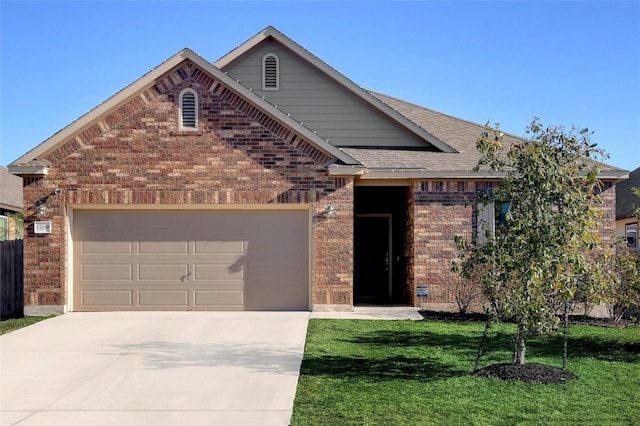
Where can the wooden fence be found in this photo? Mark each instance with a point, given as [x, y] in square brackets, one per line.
[11, 279]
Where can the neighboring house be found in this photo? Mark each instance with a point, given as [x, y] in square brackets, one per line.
[10, 205]
[627, 204]
[264, 181]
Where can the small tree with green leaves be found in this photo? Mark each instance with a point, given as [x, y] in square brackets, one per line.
[625, 292]
[543, 253]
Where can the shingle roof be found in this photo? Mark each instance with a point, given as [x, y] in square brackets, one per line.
[10, 191]
[455, 132]
[626, 200]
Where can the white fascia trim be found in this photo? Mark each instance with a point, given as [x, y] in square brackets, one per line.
[28, 170]
[614, 175]
[457, 174]
[344, 170]
[428, 174]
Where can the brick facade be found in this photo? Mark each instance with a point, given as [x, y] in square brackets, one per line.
[136, 155]
[440, 211]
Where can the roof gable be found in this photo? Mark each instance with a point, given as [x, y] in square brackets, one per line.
[34, 162]
[399, 126]
[626, 201]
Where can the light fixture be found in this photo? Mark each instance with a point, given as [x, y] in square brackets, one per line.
[41, 209]
[325, 214]
[330, 210]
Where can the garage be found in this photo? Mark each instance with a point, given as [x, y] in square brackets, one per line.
[190, 260]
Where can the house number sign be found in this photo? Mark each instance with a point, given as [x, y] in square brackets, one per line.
[42, 227]
[422, 291]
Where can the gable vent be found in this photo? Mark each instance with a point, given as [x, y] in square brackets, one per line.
[188, 110]
[270, 72]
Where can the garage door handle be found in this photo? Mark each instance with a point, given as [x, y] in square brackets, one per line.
[187, 277]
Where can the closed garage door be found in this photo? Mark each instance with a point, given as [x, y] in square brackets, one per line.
[190, 260]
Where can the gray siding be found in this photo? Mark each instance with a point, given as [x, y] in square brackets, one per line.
[321, 104]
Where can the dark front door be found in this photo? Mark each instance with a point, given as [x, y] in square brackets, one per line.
[372, 258]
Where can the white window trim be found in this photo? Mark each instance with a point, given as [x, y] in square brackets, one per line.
[264, 80]
[197, 104]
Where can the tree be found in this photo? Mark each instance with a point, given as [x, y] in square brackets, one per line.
[543, 253]
[625, 292]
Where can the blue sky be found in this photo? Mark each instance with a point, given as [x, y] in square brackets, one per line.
[569, 63]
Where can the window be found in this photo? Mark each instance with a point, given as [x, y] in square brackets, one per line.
[4, 228]
[631, 233]
[188, 110]
[270, 72]
[486, 225]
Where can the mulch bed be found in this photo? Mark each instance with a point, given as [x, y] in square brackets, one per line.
[528, 373]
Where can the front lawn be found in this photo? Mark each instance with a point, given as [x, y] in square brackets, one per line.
[418, 373]
[8, 325]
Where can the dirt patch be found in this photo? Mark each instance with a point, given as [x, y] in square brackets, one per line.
[529, 373]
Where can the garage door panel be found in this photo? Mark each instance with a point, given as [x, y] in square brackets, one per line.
[107, 272]
[155, 298]
[108, 298]
[163, 247]
[239, 259]
[219, 298]
[163, 272]
[274, 275]
[267, 300]
[107, 247]
[222, 272]
[220, 247]
[284, 247]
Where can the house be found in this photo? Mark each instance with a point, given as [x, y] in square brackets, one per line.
[264, 181]
[10, 205]
[627, 203]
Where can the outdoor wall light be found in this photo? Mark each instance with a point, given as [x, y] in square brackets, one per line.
[330, 210]
[41, 209]
[327, 212]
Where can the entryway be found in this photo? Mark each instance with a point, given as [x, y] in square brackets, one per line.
[379, 245]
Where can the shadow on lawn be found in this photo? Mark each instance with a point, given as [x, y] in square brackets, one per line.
[396, 367]
[585, 347]
[422, 338]
[384, 362]
[390, 353]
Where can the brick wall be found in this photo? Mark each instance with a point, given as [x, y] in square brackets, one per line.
[410, 252]
[608, 229]
[441, 211]
[136, 155]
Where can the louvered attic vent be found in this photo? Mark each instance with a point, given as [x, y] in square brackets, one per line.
[270, 72]
[188, 110]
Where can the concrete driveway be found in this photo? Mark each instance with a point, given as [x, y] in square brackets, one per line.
[153, 368]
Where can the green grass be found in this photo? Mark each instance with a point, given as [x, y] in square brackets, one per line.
[418, 373]
[9, 325]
